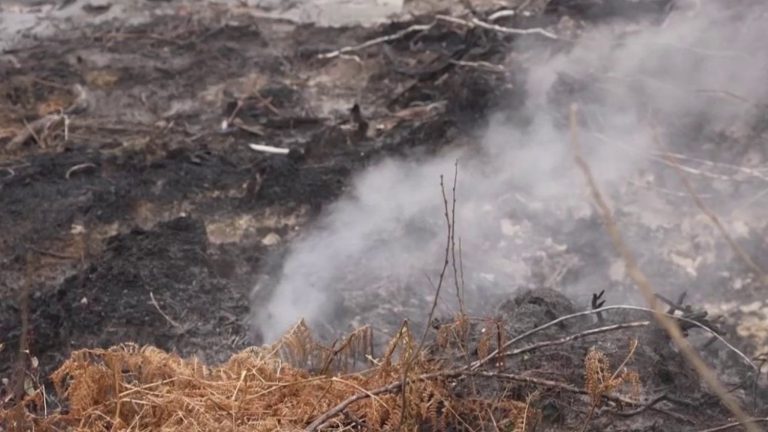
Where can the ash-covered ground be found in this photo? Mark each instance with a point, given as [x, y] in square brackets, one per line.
[135, 210]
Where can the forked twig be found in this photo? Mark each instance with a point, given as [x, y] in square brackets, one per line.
[644, 285]
[474, 22]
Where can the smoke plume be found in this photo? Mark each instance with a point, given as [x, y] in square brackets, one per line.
[522, 213]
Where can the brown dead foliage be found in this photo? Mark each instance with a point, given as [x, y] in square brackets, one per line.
[285, 386]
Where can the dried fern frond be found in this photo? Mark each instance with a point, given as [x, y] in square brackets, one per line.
[296, 345]
[599, 380]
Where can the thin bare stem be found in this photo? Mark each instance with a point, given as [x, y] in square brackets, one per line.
[438, 288]
[456, 280]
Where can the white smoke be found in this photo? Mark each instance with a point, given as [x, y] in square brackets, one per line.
[704, 67]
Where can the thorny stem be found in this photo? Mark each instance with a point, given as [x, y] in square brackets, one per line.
[644, 285]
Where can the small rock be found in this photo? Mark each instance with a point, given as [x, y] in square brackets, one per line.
[271, 239]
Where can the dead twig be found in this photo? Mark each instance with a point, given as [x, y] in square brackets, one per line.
[454, 373]
[269, 149]
[474, 22]
[504, 13]
[438, 288]
[568, 388]
[482, 65]
[641, 409]
[52, 254]
[735, 424]
[644, 285]
[574, 337]
[78, 167]
[167, 318]
[377, 41]
[452, 228]
[478, 363]
[10, 171]
[338, 409]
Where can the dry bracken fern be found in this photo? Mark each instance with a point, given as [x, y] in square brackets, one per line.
[601, 380]
[135, 388]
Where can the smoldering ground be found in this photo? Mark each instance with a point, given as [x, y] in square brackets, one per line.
[522, 213]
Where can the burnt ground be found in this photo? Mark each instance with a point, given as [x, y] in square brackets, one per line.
[144, 219]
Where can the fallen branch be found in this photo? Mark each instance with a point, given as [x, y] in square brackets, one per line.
[377, 41]
[315, 425]
[482, 65]
[642, 409]
[167, 318]
[574, 337]
[32, 130]
[644, 285]
[474, 22]
[478, 363]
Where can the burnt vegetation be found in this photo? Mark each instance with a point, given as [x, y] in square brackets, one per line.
[147, 171]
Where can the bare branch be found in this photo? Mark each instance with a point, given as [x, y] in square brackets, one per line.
[478, 363]
[376, 41]
[474, 22]
[576, 336]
